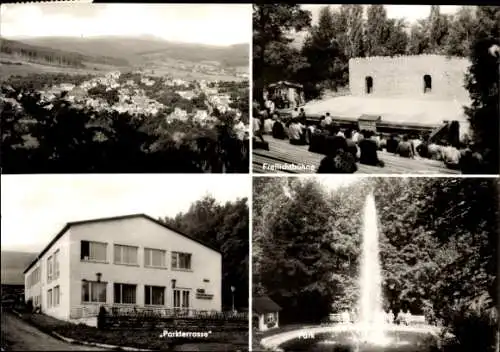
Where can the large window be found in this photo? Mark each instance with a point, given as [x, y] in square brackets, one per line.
[49, 269]
[154, 295]
[56, 265]
[93, 291]
[95, 251]
[154, 258]
[181, 299]
[125, 293]
[125, 254]
[181, 260]
[56, 296]
[49, 298]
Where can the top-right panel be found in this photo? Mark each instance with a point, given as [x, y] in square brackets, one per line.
[376, 89]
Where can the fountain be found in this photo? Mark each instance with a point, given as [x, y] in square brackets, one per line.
[371, 315]
[370, 332]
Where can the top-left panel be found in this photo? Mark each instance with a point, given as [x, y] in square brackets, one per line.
[124, 88]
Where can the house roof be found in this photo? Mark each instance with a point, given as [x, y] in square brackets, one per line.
[122, 217]
[264, 304]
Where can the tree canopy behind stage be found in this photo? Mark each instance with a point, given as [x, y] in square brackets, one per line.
[225, 227]
[438, 245]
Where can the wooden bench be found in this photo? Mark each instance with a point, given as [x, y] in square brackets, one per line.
[281, 152]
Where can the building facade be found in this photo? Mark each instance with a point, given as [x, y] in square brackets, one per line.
[420, 76]
[128, 261]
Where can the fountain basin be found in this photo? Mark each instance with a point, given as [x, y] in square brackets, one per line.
[343, 338]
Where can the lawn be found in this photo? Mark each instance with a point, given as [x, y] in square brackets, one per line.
[146, 339]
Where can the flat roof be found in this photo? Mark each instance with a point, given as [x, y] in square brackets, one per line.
[122, 217]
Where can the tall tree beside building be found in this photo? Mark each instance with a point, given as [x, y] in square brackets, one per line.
[461, 32]
[273, 56]
[375, 28]
[482, 82]
[437, 29]
[323, 52]
[354, 44]
[419, 39]
[396, 39]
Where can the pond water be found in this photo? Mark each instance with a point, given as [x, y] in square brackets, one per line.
[399, 341]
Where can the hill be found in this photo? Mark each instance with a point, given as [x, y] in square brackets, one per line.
[13, 265]
[137, 49]
[55, 55]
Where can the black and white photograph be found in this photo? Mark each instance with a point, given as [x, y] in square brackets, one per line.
[376, 89]
[375, 264]
[125, 262]
[124, 88]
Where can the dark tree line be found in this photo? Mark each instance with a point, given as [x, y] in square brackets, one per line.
[52, 56]
[225, 227]
[438, 247]
[55, 137]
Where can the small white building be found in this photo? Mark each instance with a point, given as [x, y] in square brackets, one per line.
[126, 261]
[265, 313]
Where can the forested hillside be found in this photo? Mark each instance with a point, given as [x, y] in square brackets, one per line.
[34, 53]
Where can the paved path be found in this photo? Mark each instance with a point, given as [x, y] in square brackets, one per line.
[282, 152]
[20, 336]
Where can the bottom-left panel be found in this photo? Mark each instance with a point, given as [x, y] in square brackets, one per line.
[142, 261]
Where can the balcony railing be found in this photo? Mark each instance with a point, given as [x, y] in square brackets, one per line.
[86, 311]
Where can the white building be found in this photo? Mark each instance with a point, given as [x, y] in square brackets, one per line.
[126, 261]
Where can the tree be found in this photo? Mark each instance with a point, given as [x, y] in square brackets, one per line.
[396, 39]
[273, 57]
[375, 26]
[354, 35]
[482, 82]
[461, 32]
[225, 227]
[419, 39]
[437, 29]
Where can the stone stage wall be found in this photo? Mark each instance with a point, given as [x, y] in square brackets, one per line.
[404, 76]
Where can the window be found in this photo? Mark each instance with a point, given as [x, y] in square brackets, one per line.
[181, 299]
[427, 83]
[154, 257]
[154, 295]
[125, 293]
[125, 254]
[181, 260]
[56, 296]
[93, 251]
[93, 291]
[49, 269]
[369, 84]
[49, 298]
[56, 265]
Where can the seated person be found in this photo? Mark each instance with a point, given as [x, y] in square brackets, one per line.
[405, 148]
[451, 157]
[268, 124]
[434, 151]
[338, 160]
[296, 132]
[392, 144]
[356, 136]
[279, 131]
[351, 146]
[328, 119]
[423, 148]
[368, 148]
[302, 113]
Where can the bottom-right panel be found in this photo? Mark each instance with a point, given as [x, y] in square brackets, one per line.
[344, 263]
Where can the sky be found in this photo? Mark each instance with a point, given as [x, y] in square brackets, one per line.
[212, 24]
[411, 13]
[36, 207]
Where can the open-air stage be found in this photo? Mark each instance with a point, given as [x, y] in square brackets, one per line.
[282, 152]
